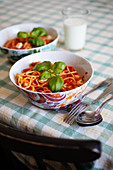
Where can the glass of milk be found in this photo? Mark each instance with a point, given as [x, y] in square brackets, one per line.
[75, 26]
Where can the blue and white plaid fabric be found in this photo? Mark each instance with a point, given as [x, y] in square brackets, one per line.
[16, 111]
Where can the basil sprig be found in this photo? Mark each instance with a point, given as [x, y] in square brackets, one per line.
[34, 36]
[51, 72]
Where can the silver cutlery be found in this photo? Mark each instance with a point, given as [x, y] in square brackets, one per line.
[82, 105]
[89, 118]
[68, 108]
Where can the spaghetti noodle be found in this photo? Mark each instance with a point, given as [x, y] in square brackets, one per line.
[23, 43]
[30, 79]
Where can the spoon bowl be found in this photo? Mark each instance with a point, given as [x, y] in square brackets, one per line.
[89, 118]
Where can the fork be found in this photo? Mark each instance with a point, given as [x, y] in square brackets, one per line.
[82, 105]
[104, 83]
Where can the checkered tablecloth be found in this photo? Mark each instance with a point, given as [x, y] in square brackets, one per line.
[16, 111]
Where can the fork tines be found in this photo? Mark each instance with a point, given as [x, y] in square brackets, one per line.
[71, 109]
[70, 117]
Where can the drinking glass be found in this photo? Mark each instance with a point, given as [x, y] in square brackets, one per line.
[75, 26]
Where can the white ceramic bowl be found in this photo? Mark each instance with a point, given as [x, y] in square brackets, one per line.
[11, 32]
[58, 99]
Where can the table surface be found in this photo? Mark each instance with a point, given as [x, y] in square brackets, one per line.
[16, 111]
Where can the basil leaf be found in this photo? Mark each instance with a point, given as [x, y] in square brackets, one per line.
[56, 83]
[36, 41]
[43, 31]
[58, 67]
[46, 75]
[45, 65]
[22, 34]
[28, 34]
[39, 42]
[37, 32]
[32, 41]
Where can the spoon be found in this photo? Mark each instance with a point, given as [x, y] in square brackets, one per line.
[105, 83]
[88, 118]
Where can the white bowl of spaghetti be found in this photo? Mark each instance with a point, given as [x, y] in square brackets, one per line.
[17, 47]
[68, 73]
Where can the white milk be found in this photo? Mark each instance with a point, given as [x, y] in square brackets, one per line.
[75, 33]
